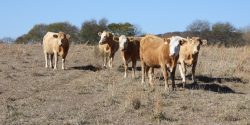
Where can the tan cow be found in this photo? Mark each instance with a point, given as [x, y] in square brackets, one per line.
[108, 45]
[55, 44]
[188, 56]
[130, 51]
[157, 52]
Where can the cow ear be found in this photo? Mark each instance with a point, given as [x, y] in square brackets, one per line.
[167, 40]
[61, 35]
[55, 36]
[115, 38]
[67, 36]
[131, 38]
[204, 42]
[182, 41]
[99, 33]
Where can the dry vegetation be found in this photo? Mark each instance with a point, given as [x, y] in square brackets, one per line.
[87, 94]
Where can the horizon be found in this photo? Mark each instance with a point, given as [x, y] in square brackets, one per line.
[154, 17]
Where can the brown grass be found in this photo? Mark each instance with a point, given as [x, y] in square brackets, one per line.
[85, 93]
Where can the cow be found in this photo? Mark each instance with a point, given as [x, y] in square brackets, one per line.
[156, 52]
[108, 46]
[130, 51]
[188, 56]
[55, 44]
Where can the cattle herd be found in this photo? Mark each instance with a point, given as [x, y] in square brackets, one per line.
[152, 51]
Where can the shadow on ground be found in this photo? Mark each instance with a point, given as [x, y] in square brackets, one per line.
[211, 87]
[87, 67]
[121, 68]
[213, 84]
[207, 79]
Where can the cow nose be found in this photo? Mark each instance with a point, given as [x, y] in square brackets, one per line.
[171, 69]
[195, 51]
[172, 55]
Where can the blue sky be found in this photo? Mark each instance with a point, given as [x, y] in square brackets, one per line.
[152, 16]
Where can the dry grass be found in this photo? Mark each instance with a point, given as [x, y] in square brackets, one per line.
[85, 93]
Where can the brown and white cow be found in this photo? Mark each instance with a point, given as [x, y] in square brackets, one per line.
[188, 56]
[55, 44]
[157, 52]
[108, 45]
[130, 51]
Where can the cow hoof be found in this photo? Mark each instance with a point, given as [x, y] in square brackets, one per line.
[182, 89]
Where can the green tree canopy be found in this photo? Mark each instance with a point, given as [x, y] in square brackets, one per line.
[90, 28]
[36, 34]
[123, 29]
[227, 34]
[67, 28]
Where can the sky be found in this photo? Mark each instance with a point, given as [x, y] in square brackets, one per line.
[17, 17]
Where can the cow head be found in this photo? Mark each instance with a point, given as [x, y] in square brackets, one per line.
[174, 45]
[123, 42]
[195, 43]
[105, 37]
[61, 38]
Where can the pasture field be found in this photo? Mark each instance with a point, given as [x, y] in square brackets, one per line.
[85, 93]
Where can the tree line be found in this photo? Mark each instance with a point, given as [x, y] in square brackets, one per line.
[88, 33]
[220, 33]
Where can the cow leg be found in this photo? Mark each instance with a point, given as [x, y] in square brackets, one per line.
[104, 60]
[111, 61]
[165, 75]
[55, 56]
[133, 68]
[151, 76]
[46, 59]
[63, 61]
[142, 72]
[182, 69]
[193, 72]
[146, 70]
[51, 60]
[172, 78]
[126, 69]
[125, 66]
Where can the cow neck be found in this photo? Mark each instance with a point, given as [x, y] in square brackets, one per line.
[111, 42]
[165, 49]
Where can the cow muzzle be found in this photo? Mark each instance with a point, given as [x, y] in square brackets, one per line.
[195, 51]
[101, 43]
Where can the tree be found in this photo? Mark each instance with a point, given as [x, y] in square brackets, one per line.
[37, 32]
[123, 29]
[246, 34]
[22, 39]
[227, 34]
[67, 28]
[199, 26]
[89, 30]
[35, 35]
